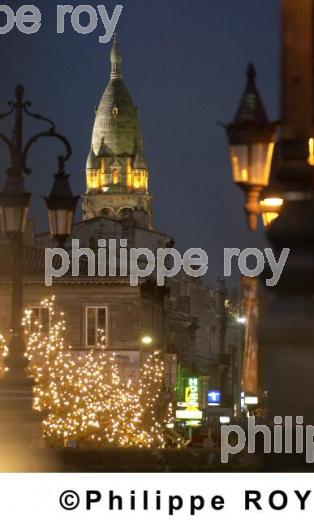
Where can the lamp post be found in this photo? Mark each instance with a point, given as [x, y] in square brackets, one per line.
[220, 295]
[16, 386]
[251, 138]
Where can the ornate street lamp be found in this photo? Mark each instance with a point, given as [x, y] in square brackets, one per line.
[251, 138]
[61, 206]
[16, 385]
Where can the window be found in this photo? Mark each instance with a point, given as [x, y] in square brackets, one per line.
[96, 326]
[39, 320]
[125, 212]
[115, 176]
[105, 212]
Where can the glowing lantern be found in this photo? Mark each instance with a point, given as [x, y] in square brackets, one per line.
[251, 141]
[311, 152]
[147, 340]
[270, 209]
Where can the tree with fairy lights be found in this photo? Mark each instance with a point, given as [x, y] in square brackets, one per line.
[136, 421]
[84, 397]
[71, 389]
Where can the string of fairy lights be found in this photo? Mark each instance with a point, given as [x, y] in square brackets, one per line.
[83, 396]
[4, 352]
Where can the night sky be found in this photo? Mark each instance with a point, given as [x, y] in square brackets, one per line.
[184, 63]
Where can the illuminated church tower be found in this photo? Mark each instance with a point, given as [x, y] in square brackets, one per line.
[116, 170]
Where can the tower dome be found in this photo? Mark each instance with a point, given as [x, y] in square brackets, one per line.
[116, 124]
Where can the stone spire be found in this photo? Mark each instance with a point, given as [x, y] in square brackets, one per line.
[116, 59]
[140, 161]
[92, 161]
[116, 124]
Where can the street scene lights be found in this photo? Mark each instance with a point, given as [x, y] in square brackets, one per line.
[16, 386]
[251, 138]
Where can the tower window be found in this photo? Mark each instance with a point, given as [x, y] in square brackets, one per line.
[116, 176]
[96, 319]
[139, 180]
[125, 212]
[105, 212]
[92, 180]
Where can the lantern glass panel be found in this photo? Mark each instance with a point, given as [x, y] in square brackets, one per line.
[14, 219]
[251, 164]
[240, 163]
[60, 222]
